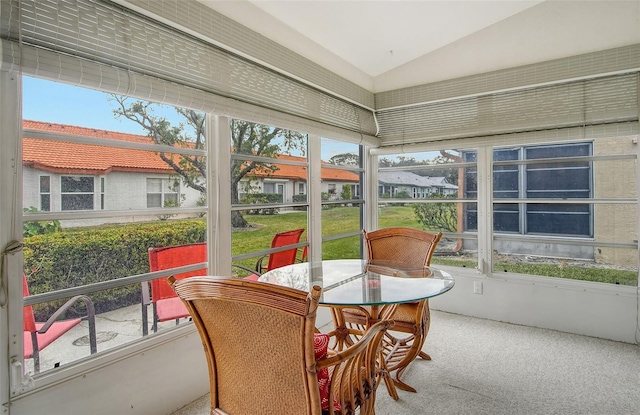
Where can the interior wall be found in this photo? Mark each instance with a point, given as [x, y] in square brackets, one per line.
[156, 380]
[591, 309]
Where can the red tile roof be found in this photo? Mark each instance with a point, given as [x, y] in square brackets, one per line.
[73, 158]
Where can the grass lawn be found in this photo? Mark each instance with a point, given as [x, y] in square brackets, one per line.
[346, 219]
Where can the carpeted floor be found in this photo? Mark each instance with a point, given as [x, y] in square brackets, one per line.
[487, 367]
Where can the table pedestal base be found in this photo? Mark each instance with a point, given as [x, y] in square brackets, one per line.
[396, 352]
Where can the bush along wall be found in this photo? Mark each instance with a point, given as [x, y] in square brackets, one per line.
[83, 256]
[262, 198]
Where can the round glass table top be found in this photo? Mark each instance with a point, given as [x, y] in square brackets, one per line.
[360, 282]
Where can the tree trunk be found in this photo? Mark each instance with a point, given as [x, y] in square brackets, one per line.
[237, 221]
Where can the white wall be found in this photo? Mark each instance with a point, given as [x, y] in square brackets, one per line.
[155, 380]
[123, 190]
[593, 309]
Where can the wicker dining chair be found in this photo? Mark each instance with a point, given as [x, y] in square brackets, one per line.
[259, 344]
[411, 248]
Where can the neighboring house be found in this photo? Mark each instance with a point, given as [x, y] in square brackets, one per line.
[70, 176]
[392, 183]
[290, 180]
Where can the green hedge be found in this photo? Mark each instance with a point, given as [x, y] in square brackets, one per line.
[261, 198]
[84, 256]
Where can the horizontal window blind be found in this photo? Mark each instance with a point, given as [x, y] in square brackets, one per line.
[610, 99]
[54, 66]
[587, 65]
[113, 36]
[559, 135]
[193, 17]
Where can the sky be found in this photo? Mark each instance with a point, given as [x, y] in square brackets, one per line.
[67, 104]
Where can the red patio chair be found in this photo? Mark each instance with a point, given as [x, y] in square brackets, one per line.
[37, 336]
[166, 305]
[281, 258]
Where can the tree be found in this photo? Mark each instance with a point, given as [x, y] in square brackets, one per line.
[437, 216]
[345, 159]
[246, 138]
[345, 194]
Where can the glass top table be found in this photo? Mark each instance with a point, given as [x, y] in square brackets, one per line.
[380, 286]
[355, 282]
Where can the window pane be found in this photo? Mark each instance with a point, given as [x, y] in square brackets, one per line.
[45, 184]
[77, 202]
[414, 189]
[343, 248]
[171, 199]
[272, 180]
[553, 222]
[154, 185]
[341, 176]
[506, 218]
[170, 186]
[599, 241]
[154, 200]
[339, 153]
[45, 203]
[269, 181]
[269, 187]
[73, 184]
[95, 247]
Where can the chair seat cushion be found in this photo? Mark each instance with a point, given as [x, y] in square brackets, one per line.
[321, 348]
[171, 309]
[56, 330]
[252, 277]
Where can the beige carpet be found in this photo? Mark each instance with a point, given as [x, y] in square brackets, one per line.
[487, 367]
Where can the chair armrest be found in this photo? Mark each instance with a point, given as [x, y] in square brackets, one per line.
[372, 336]
[259, 267]
[91, 318]
[247, 269]
[355, 375]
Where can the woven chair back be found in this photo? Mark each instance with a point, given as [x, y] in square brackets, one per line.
[258, 340]
[412, 247]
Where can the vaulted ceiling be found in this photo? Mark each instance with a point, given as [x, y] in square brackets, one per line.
[384, 45]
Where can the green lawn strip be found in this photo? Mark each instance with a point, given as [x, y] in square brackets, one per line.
[342, 219]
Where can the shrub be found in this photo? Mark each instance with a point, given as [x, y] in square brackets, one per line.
[262, 198]
[437, 216]
[301, 198]
[33, 227]
[84, 256]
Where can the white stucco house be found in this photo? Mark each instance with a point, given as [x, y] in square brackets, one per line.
[70, 177]
[391, 183]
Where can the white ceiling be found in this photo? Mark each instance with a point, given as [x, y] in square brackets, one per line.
[391, 44]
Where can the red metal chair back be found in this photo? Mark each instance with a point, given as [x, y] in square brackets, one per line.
[288, 257]
[171, 257]
[29, 321]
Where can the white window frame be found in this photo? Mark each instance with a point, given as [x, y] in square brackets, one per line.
[164, 193]
[63, 193]
[41, 193]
